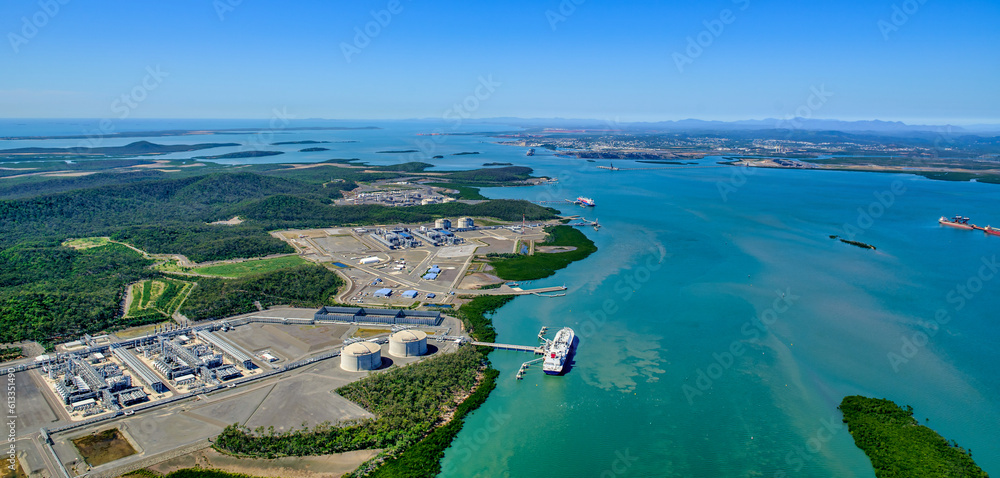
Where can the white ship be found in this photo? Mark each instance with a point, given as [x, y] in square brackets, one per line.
[557, 351]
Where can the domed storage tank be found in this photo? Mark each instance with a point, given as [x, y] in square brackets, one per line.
[361, 356]
[442, 224]
[408, 343]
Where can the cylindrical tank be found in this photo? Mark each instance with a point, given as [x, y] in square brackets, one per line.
[466, 223]
[408, 343]
[361, 356]
[442, 224]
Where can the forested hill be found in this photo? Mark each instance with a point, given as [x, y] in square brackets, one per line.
[50, 292]
[99, 210]
[176, 205]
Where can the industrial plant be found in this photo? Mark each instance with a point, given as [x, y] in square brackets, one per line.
[112, 377]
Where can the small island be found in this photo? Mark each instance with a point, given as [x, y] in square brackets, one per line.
[242, 154]
[397, 151]
[138, 148]
[463, 153]
[313, 150]
[853, 243]
[308, 141]
[498, 164]
[899, 446]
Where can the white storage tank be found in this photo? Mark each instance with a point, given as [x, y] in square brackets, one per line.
[361, 356]
[466, 223]
[408, 343]
[442, 224]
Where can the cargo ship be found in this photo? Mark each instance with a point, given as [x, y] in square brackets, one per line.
[992, 231]
[557, 351]
[585, 202]
[957, 221]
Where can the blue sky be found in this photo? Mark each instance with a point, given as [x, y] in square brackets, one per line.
[544, 58]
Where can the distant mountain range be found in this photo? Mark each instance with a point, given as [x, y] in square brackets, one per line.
[868, 126]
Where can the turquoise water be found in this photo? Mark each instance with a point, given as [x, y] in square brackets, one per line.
[691, 363]
[681, 274]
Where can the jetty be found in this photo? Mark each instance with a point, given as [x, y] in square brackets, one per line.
[584, 222]
[537, 350]
[540, 290]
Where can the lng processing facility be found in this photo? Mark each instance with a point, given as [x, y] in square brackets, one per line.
[177, 387]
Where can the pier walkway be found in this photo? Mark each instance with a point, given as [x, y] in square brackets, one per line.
[519, 348]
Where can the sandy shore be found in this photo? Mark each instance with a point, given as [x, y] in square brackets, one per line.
[324, 466]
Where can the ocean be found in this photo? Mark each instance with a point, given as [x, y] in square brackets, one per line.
[719, 324]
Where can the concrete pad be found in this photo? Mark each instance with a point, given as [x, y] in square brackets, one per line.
[32, 408]
[232, 409]
[304, 400]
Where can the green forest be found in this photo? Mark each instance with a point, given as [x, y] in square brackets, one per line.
[303, 286]
[51, 293]
[541, 265]
[899, 446]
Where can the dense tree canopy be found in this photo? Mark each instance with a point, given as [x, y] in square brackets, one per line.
[899, 446]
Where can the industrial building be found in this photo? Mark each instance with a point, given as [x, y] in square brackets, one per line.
[145, 374]
[378, 316]
[361, 356]
[410, 294]
[228, 349]
[370, 260]
[430, 276]
[408, 343]
[385, 292]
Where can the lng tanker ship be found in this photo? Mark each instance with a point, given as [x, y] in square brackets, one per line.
[557, 351]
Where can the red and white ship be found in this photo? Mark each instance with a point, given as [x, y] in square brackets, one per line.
[959, 222]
